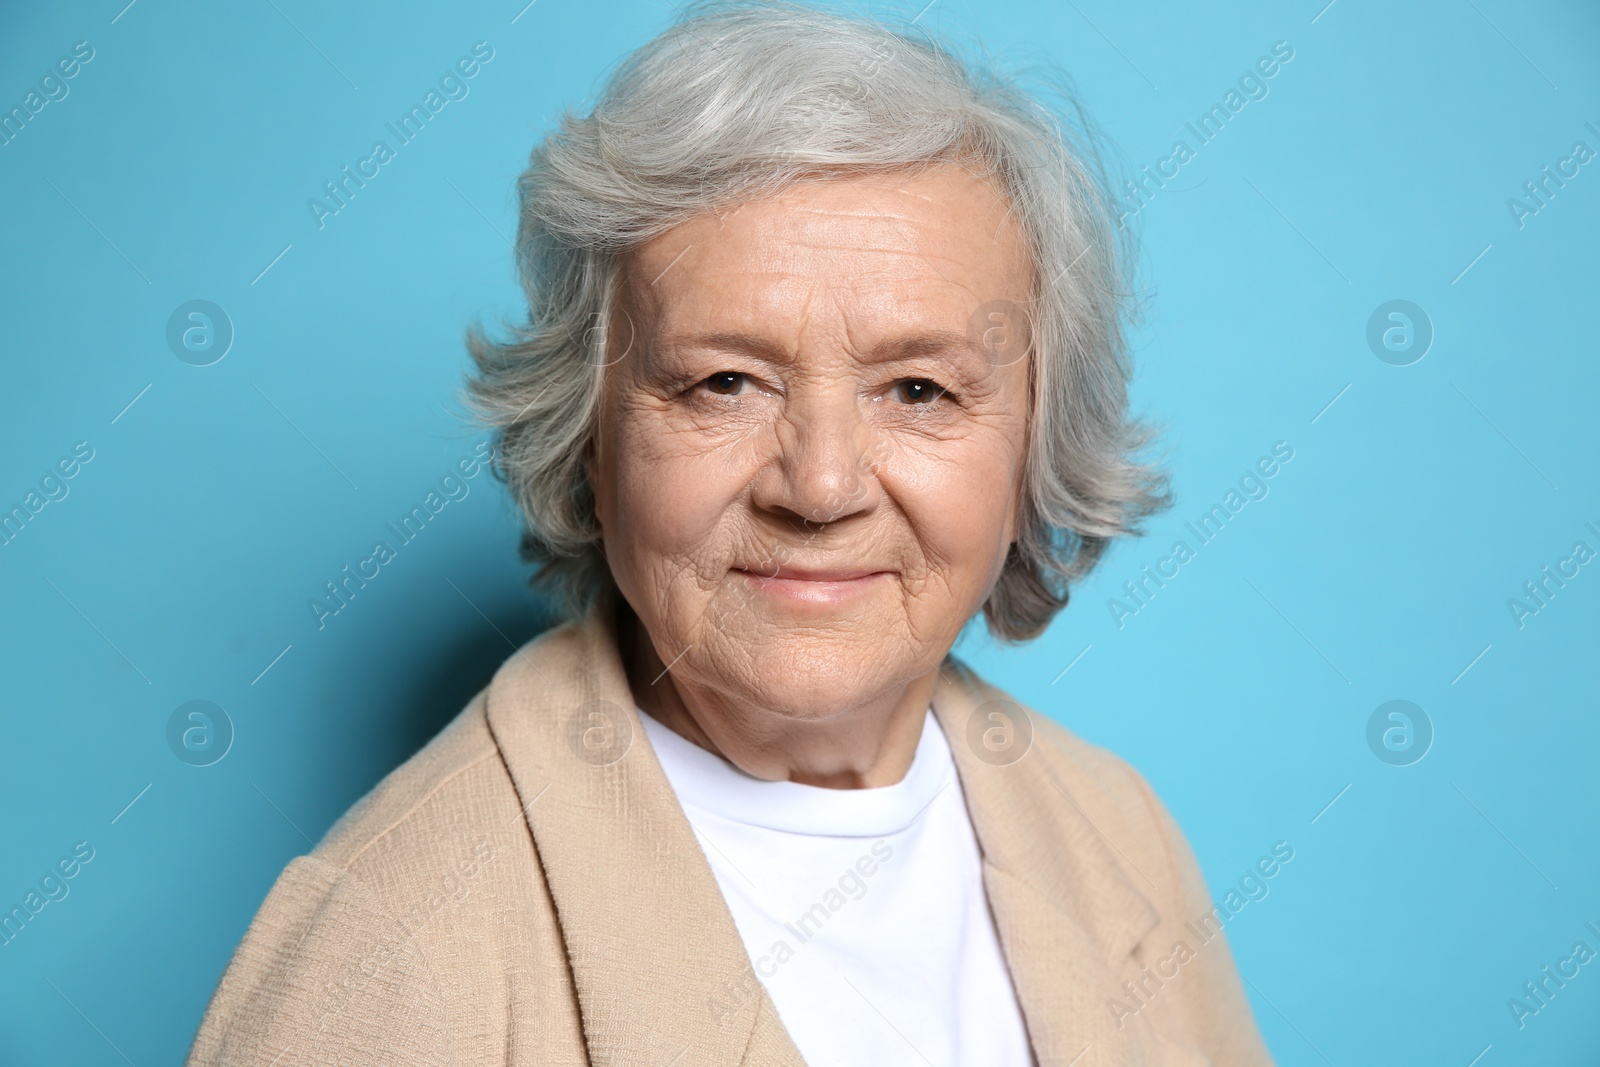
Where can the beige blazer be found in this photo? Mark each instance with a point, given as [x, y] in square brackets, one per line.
[526, 890]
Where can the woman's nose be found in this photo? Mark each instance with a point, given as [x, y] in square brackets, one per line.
[825, 467]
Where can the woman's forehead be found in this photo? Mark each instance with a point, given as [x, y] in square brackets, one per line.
[904, 244]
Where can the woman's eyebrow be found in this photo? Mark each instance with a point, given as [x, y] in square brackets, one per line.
[888, 350]
[928, 343]
[740, 343]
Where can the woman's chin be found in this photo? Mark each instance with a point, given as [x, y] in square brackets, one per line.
[819, 673]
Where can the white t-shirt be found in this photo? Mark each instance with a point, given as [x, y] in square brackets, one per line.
[863, 910]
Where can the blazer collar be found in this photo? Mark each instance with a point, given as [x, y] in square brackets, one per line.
[661, 973]
[1068, 911]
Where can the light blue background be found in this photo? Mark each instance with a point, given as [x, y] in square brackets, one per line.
[1379, 567]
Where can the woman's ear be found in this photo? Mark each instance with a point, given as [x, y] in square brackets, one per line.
[590, 460]
[1014, 514]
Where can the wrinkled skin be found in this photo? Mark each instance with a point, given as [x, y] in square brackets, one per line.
[807, 466]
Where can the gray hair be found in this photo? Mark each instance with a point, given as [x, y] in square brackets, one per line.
[739, 100]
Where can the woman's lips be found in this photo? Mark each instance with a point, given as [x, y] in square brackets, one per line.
[815, 574]
[815, 585]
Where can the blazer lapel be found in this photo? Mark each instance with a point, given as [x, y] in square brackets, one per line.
[661, 973]
[1067, 912]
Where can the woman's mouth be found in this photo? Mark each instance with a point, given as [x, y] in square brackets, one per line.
[824, 586]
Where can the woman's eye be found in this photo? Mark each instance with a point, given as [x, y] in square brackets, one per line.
[918, 391]
[725, 383]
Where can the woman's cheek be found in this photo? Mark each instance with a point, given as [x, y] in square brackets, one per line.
[672, 516]
[960, 508]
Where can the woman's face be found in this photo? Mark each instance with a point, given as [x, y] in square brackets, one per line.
[811, 442]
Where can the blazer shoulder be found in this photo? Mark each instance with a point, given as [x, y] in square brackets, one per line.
[1161, 866]
[424, 903]
[454, 787]
[1090, 764]
[1093, 774]
[319, 955]
[1108, 791]
[1117, 799]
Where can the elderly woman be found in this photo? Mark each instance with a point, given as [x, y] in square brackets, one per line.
[823, 359]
